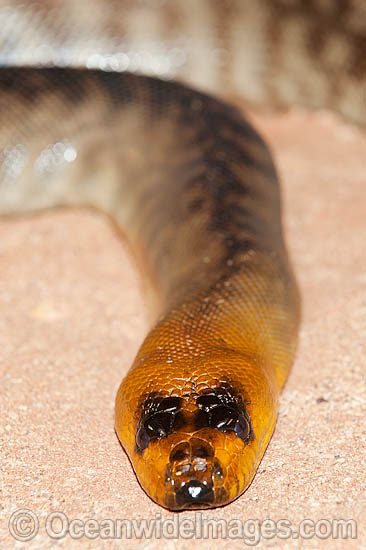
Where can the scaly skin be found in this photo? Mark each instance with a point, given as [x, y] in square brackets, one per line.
[228, 300]
[194, 188]
[197, 348]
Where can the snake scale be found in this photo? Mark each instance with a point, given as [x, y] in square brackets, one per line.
[93, 114]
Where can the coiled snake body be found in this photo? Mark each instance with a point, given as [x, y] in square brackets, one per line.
[194, 187]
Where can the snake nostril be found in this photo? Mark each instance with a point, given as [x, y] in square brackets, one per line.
[194, 494]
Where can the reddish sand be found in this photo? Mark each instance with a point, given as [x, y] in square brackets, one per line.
[72, 317]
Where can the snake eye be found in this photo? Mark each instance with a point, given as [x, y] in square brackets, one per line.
[242, 428]
[142, 439]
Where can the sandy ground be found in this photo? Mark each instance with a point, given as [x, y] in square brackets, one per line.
[72, 317]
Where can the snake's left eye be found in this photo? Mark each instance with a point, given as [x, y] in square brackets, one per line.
[242, 428]
[141, 439]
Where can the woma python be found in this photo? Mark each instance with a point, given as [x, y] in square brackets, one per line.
[193, 186]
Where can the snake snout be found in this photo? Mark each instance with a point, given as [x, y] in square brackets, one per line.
[192, 469]
[194, 494]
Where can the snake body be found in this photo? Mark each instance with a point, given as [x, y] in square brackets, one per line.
[193, 186]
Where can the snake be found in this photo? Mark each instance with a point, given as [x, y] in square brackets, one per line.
[130, 108]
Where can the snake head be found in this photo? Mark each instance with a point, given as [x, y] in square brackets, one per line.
[198, 449]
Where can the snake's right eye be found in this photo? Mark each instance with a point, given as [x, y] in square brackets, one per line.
[142, 439]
